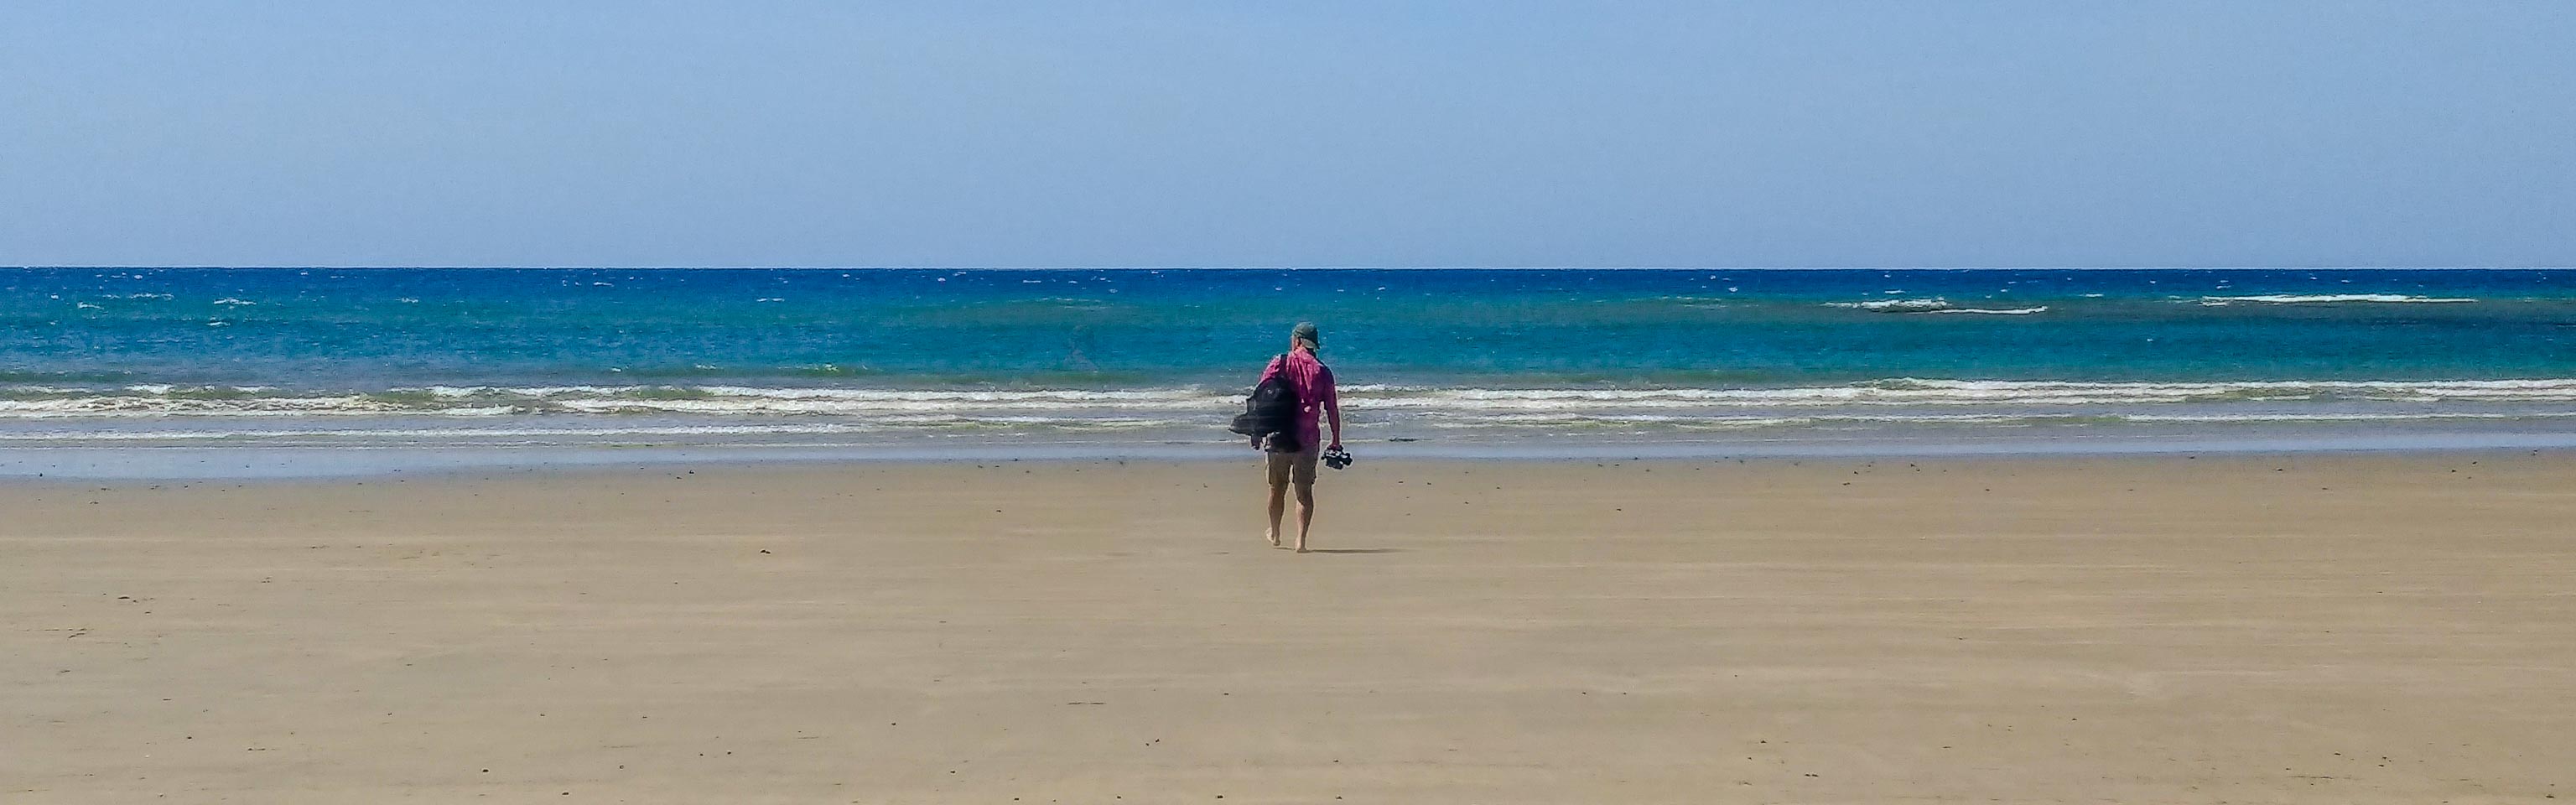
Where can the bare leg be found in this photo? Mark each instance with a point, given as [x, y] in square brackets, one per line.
[1305, 509]
[1278, 507]
[1278, 473]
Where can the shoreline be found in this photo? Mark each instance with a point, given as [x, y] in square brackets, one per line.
[238, 462]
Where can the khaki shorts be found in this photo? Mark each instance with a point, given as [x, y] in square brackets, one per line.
[1298, 466]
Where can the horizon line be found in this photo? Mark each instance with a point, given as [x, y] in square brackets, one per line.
[577, 267]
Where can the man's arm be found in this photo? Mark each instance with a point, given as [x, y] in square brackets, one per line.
[1333, 407]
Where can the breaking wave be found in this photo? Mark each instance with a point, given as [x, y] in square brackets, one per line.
[2293, 299]
[1935, 305]
[1991, 311]
[41, 401]
[1896, 305]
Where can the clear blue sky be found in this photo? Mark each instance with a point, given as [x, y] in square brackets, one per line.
[1793, 133]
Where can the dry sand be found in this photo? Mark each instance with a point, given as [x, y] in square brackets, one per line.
[2306, 629]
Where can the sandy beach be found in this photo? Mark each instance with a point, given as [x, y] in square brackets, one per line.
[2295, 629]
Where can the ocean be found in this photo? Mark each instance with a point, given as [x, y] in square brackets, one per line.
[559, 364]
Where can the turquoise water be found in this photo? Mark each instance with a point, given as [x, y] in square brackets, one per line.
[812, 357]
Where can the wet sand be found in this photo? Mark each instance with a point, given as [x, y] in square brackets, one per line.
[2301, 629]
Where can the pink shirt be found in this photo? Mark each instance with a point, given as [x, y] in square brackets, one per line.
[1314, 385]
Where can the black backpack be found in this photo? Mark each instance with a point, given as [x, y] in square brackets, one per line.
[1272, 408]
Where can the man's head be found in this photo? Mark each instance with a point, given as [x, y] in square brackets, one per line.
[1305, 335]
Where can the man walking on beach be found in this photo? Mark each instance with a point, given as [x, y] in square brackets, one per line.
[1315, 398]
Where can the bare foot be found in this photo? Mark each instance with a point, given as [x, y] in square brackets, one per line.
[1273, 537]
[1301, 546]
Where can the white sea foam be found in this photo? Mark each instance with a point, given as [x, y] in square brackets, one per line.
[2015, 311]
[30, 402]
[595, 431]
[435, 433]
[804, 431]
[1896, 305]
[2291, 299]
[1708, 422]
[2344, 417]
[1934, 305]
[232, 301]
[43, 402]
[1911, 391]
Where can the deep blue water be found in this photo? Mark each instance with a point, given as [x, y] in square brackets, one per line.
[372, 329]
[809, 356]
